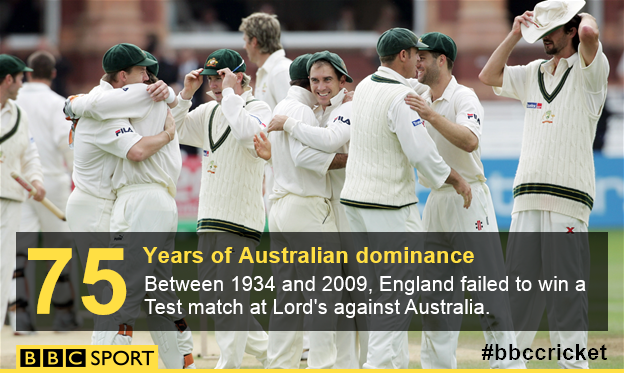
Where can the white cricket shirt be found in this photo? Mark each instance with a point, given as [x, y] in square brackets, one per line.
[148, 118]
[98, 145]
[298, 169]
[459, 104]
[273, 79]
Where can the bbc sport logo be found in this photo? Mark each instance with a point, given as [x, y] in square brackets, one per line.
[92, 357]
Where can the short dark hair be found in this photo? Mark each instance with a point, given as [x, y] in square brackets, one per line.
[392, 57]
[303, 83]
[112, 76]
[14, 76]
[575, 22]
[322, 62]
[449, 62]
[42, 63]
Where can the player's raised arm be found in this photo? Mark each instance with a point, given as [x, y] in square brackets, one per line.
[492, 73]
[246, 119]
[190, 125]
[588, 34]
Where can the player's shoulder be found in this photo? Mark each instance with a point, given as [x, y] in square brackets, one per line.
[136, 88]
[464, 92]
[253, 104]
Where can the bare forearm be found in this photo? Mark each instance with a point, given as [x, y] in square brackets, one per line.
[148, 146]
[458, 135]
[588, 34]
[492, 73]
[339, 161]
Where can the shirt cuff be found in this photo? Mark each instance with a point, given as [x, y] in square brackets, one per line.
[290, 125]
[171, 97]
[182, 101]
[228, 92]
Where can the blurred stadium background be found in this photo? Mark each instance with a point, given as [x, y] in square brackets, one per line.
[181, 34]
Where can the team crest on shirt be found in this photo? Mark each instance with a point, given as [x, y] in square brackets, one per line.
[474, 116]
[534, 105]
[122, 130]
[212, 167]
[548, 117]
[212, 62]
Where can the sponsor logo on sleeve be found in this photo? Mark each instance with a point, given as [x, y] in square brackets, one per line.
[534, 105]
[474, 116]
[121, 131]
[125, 89]
[417, 122]
[343, 120]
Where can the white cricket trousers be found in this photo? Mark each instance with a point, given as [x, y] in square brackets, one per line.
[533, 260]
[9, 222]
[245, 334]
[444, 212]
[386, 349]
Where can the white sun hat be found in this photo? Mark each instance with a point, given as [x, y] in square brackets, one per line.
[548, 15]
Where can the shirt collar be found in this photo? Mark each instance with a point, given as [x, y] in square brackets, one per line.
[448, 91]
[35, 86]
[8, 106]
[334, 101]
[272, 60]
[387, 72]
[564, 63]
[105, 85]
[302, 95]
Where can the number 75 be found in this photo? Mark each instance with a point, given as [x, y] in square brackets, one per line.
[91, 275]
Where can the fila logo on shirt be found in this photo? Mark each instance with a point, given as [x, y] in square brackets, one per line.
[474, 116]
[343, 120]
[121, 131]
[534, 105]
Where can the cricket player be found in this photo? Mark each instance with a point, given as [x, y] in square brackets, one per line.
[18, 153]
[145, 203]
[301, 190]
[230, 199]
[262, 34]
[554, 187]
[49, 129]
[384, 125]
[454, 118]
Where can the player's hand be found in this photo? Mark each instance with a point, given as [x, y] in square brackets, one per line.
[192, 82]
[158, 91]
[419, 105]
[262, 146]
[348, 97]
[41, 192]
[525, 19]
[67, 109]
[461, 187]
[170, 126]
[277, 123]
[229, 78]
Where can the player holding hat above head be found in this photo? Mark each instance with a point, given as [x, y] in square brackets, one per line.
[454, 118]
[145, 203]
[230, 197]
[387, 142]
[554, 186]
[18, 153]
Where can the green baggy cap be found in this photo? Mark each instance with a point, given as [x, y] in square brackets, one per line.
[153, 68]
[299, 67]
[438, 42]
[124, 55]
[11, 65]
[222, 58]
[395, 40]
[333, 59]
